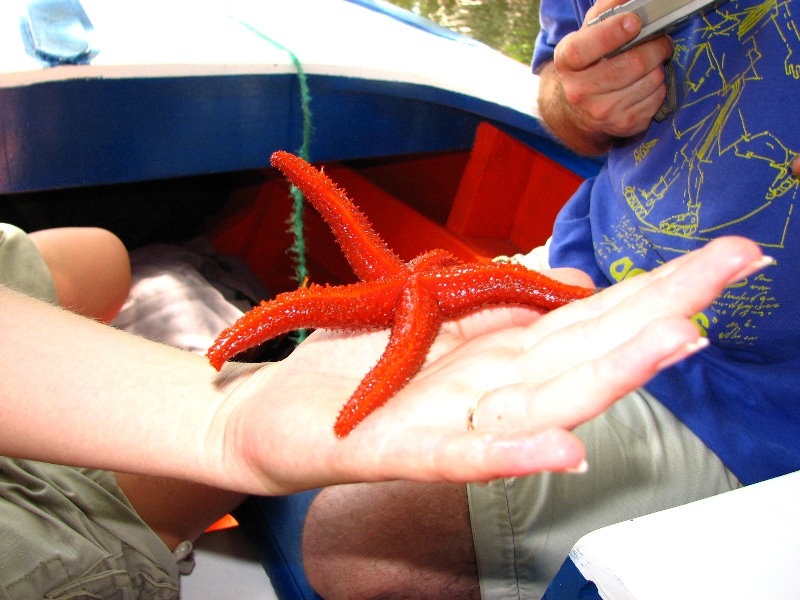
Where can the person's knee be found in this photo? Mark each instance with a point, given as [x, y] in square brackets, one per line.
[90, 267]
[394, 539]
[116, 267]
[327, 532]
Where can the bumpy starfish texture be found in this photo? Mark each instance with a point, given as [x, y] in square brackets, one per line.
[412, 298]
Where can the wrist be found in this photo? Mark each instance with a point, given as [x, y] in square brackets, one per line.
[242, 440]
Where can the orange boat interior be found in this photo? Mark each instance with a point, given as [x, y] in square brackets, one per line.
[500, 198]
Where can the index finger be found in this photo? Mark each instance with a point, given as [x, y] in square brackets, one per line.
[581, 49]
[682, 286]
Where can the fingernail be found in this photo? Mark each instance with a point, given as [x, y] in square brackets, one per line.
[583, 467]
[697, 345]
[753, 267]
[683, 352]
[630, 23]
[764, 261]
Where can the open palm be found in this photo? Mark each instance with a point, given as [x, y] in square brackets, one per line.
[536, 377]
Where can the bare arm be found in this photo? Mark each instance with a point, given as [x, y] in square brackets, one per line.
[75, 391]
[79, 392]
[589, 101]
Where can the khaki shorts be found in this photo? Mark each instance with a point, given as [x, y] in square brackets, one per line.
[641, 460]
[71, 533]
[68, 532]
[22, 268]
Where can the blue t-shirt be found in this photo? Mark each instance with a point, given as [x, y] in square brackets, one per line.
[718, 166]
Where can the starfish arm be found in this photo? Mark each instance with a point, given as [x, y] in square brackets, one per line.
[433, 259]
[368, 255]
[466, 287]
[416, 323]
[356, 306]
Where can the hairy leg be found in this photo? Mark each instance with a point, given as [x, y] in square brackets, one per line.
[391, 540]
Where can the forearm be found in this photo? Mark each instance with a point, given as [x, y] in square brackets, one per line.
[565, 121]
[77, 392]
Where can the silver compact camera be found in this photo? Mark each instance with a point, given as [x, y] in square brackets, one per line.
[658, 16]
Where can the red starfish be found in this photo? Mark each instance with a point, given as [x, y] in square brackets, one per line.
[413, 299]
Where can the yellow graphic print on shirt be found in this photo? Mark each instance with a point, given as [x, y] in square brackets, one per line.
[712, 124]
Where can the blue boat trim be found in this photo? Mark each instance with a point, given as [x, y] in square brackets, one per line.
[99, 131]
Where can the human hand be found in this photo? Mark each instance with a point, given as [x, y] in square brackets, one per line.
[615, 96]
[536, 376]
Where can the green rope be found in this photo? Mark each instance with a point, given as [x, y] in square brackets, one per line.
[295, 221]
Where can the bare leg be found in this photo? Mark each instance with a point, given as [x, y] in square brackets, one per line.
[176, 510]
[391, 540]
[90, 268]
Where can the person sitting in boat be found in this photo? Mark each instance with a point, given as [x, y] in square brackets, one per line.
[720, 160]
